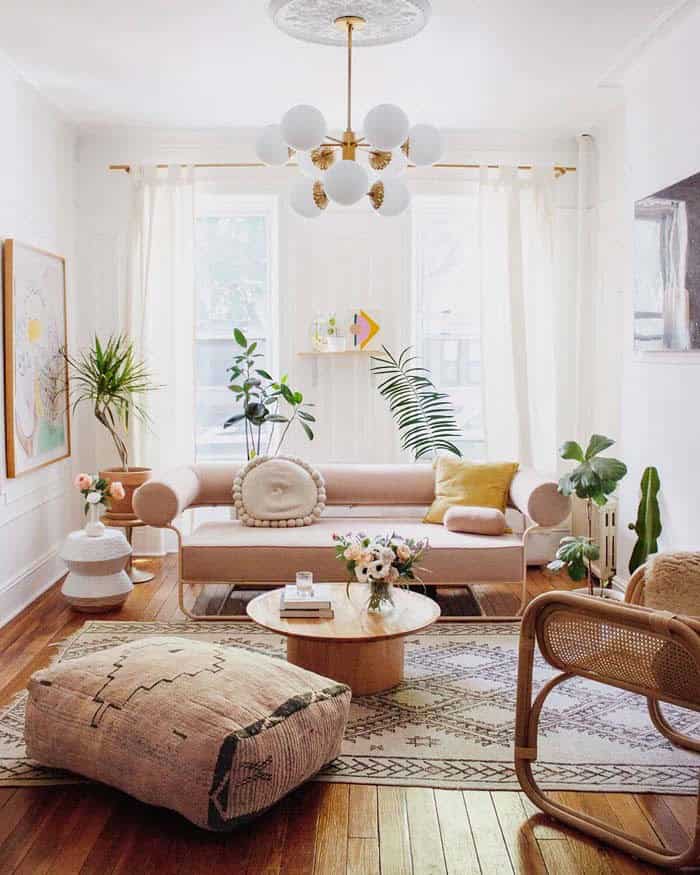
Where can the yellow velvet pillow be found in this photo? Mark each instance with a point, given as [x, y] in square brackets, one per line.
[469, 484]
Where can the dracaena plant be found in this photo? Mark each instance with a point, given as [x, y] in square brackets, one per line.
[266, 403]
[424, 416]
[593, 480]
[111, 377]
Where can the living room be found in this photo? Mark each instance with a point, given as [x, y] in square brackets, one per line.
[346, 490]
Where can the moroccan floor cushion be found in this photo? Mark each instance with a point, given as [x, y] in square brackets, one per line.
[216, 733]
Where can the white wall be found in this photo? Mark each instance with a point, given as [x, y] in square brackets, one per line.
[37, 206]
[660, 413]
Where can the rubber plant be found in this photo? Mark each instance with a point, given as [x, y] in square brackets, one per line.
[260, 396]
[425, 416]
[593, 480]
[648, 525]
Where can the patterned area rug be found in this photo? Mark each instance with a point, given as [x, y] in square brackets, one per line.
[449, 724]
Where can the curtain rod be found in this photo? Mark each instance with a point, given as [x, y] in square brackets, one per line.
[559, 169]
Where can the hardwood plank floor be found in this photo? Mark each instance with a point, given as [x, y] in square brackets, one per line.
[319, 829]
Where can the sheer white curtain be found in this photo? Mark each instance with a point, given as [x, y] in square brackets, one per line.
[524, 343]
[160, 315]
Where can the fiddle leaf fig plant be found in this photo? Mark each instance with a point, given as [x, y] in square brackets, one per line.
[594, 479]
[648, 524]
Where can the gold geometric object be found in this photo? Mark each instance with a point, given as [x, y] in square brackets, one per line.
[349, 145]
[320, 196]
[379, 160]
[323, 157]
[376, 194]
[405, 148]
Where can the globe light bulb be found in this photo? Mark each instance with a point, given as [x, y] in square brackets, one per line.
[346, 182]
[386, 126]
[270, 147]
[396, 167]
[425, 145]
[307, 198]
[303, 127]
[393, 197]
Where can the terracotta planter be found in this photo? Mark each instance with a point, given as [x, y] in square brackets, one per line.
[130, 480]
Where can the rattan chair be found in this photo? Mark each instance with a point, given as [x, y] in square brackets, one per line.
[650, 652]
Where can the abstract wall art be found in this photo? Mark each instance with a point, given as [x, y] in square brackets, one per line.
[667, 269]
[37, 416]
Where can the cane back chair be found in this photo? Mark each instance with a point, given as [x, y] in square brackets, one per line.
[651, 652]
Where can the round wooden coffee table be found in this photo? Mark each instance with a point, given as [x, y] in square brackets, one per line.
[364, 651]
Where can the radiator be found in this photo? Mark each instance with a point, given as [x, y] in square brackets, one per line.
[604, 532]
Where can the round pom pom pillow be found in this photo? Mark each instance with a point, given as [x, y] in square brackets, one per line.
[278, 492]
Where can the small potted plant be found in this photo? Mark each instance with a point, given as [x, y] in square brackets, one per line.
[99, 495]
[382, 561]
[594, 479]
[113, 380]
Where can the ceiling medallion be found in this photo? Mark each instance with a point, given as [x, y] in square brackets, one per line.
[385, 22]
[330, 166]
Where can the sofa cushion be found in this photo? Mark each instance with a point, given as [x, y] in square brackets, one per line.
[231, 552]
[475, 520]
[474, 484]
[216, 733]
[278, 491]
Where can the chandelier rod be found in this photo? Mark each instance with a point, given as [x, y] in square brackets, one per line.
[349, 25]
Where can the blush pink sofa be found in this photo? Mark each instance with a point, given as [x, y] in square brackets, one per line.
[368, 498]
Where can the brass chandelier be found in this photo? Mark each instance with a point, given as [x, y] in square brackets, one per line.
[332, 171]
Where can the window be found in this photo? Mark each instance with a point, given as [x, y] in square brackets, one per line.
[236, 286]
[447, 307]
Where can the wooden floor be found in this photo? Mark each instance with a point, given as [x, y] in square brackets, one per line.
[321, 828]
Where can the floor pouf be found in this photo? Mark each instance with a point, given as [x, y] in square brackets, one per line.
[216, 733]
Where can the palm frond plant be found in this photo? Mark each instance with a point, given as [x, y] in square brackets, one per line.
[593, 480]
[113, 380]
[262, 399]
[424, 416]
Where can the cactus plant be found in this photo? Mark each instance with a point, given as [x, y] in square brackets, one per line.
[648, 525]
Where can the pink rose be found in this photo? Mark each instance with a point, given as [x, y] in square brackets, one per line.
[116, 490]
[83, 482]
[403, 552]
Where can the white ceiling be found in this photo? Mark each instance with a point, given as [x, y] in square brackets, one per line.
[219, 63]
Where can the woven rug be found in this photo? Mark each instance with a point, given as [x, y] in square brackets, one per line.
[449, 724]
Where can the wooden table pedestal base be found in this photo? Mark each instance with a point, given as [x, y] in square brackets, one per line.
[365, 666]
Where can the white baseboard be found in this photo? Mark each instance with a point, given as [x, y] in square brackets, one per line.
[26, 586]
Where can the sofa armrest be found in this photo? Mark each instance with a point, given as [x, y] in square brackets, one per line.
[160, 500]
[537, 496]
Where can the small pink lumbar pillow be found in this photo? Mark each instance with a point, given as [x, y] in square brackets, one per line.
[475, 520]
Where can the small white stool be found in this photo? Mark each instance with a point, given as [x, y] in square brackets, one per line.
[96, 580]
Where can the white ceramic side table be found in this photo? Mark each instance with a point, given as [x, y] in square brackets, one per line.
[96, 580]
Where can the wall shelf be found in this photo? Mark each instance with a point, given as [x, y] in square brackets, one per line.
[346, 353]
[323, 355]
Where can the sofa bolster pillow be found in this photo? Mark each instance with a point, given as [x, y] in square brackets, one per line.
[475, 520]
[160, 500]
[538, 497]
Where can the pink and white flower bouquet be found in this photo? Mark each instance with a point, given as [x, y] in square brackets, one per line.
[97, 492]
[382, 561]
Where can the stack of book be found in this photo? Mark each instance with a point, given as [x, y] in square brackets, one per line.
[294, 604]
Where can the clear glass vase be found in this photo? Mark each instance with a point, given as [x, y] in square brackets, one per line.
[381, 597]
[94, 527]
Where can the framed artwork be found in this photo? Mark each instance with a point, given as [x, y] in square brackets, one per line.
[667, 269]
[37, 415]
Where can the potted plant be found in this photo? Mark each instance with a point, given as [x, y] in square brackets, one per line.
[594, 479]
[112, 379]
[261, 397]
